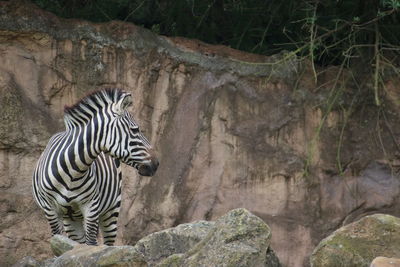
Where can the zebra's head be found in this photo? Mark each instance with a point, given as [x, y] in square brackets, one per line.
[125, 141]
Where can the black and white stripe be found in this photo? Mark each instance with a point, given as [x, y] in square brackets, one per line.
[77, 180]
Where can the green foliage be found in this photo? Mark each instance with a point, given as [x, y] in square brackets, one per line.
[390, 4]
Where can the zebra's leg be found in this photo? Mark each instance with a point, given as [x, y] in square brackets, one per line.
[108, 225]
[54, 221]
[74, 229]
[91, 224]
[91, 231]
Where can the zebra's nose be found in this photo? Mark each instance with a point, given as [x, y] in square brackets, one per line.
[149, 169]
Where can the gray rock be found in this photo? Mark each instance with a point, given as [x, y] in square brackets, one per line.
[160, 245]
[83, 255]
[27, 261]
[61, 244]
[238, 238]
[358, 243]
[47, 263]
[174, 260]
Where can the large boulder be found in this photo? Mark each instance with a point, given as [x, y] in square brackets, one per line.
[238, 238]
[358, 243]
[179, 239]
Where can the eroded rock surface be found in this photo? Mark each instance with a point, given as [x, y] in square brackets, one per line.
[359, 243]
[231, 130]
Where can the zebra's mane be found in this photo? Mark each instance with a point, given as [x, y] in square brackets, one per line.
[99, 98]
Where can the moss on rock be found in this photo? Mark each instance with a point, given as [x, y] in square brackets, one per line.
[174, 260]
[358, 243]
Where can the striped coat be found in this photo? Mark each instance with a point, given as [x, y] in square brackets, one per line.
[77, 180]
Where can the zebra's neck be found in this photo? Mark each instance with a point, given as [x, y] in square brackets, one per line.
[82, 146]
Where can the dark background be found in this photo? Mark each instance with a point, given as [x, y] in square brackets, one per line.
[329, 32]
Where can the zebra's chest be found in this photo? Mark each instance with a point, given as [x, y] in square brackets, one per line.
[99, 186]
[78, 188]
[69, 202]
[75, 192]
[71, 210]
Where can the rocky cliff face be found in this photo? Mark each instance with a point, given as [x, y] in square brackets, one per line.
[231, 130]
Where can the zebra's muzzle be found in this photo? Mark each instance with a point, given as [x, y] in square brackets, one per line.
[148, 169]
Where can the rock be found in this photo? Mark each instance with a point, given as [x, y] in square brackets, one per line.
[27, 261]
[174, 260]
[238, 238]
[152, 248]
[385, 262]
[47, 263]
[61, 244]
[117, 256]
[179, 239]
[358, 243]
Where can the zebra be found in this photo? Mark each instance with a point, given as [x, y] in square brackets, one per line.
[77, 179]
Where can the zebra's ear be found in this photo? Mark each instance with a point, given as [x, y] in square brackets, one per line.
[124, 103]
